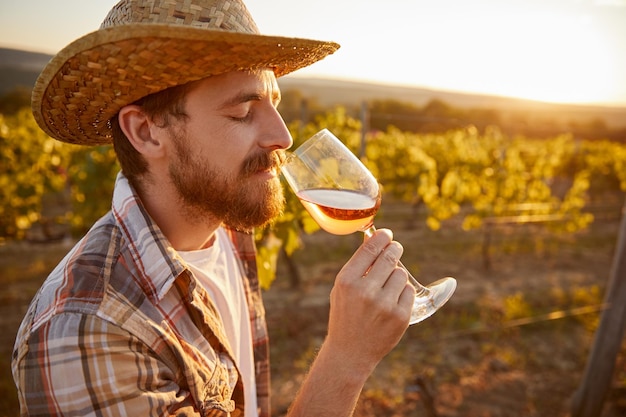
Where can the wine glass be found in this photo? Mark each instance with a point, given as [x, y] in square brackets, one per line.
[343, 196]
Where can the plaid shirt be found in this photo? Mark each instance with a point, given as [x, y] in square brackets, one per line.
[122, 328]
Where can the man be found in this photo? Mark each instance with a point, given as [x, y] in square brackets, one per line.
[157, 310]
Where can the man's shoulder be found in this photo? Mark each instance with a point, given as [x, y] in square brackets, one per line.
[96, 277]
[79, 281]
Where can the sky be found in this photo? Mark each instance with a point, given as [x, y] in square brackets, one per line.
[571, 51]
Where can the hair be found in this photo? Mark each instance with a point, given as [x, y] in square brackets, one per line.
[159, 107]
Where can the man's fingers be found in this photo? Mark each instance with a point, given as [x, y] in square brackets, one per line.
[367, 254]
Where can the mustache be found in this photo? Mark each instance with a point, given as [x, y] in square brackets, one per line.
[263, 161]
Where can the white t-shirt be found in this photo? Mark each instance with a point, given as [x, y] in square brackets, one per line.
[219, 271]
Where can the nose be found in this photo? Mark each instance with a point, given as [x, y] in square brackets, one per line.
[276, 135]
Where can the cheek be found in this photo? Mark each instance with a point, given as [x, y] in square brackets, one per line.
[214, 153]
[225, 149]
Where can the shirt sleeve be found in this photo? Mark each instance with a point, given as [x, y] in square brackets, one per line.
[79, 364]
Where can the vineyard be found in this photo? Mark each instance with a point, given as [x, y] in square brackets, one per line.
[478, 176]
[468, 181]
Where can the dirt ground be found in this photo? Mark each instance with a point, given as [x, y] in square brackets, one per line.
[493, 351]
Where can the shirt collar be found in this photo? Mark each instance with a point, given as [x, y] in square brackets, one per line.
[156, 261]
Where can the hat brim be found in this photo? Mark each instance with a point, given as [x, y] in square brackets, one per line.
[91, 79]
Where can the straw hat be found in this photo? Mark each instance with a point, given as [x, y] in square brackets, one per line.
[145, 46]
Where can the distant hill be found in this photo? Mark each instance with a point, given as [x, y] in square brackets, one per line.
[352, 93]
[16, 58]
[21, 68]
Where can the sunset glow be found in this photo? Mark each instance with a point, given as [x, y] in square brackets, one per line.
[552, 50]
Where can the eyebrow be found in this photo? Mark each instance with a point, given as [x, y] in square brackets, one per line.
[244, 97]
[240, 98]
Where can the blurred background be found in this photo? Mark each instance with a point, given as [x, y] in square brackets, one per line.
[498, 132]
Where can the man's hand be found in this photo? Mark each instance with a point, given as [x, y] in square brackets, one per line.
[370, 307]
[370, 303]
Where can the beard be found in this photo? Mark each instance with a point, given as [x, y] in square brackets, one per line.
[239, 201]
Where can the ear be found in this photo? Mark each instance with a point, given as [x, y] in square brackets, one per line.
[139, 129]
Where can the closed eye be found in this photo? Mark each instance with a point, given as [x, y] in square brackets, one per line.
[242, 119]
[240, 107]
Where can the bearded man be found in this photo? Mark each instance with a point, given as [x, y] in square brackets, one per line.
[157, 309]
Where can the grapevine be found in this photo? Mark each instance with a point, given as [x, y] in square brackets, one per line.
[466, 173]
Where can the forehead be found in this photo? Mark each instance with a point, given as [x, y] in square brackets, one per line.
[223, 86]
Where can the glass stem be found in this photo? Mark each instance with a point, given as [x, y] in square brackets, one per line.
[420, 290]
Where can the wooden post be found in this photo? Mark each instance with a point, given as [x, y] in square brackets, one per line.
[486, 248]
[304, 116]
[589, 398]
[365, 125]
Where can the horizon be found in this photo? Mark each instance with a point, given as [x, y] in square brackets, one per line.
[339, 78]
[549, 51]
[330, 77]
[618, 106]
